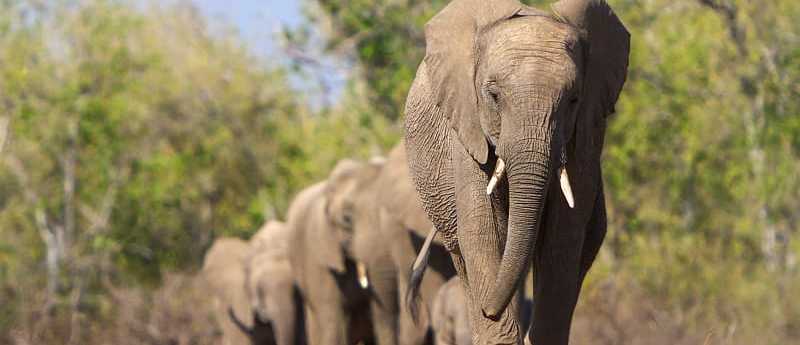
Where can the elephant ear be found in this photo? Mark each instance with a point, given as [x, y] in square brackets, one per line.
[450, 58]
[608, 49]
[325, 244]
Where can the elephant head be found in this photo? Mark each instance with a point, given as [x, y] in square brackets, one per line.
[450, 321]
[269, 283]
[225, 275]
[526, 94]
[342, 197]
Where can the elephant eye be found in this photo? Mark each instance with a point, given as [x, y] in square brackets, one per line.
[347, 216]
[492, 95]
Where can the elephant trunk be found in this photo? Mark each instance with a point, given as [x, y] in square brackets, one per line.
[239, 323]
[528, 173]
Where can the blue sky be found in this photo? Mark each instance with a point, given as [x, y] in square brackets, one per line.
[257, 20]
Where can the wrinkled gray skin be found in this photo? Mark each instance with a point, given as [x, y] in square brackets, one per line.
[404, 224]
[450, 318]
[270, 286]
[502, 80]
[224, 274]
[379, 203]
[336, 307]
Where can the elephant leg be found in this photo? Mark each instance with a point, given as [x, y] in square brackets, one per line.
[332, 323]
[595, 234]
[403, 255]
[285, 318]
[328, 319]
[556, 294]
[557, 273]
[312, 329]
[383, 303]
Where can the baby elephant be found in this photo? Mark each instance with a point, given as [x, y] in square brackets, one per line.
[450, 316]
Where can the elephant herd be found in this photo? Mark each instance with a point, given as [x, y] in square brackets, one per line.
[507, 100]
[335, 271]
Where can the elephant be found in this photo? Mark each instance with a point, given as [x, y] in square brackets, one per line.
[404, 224]
[508, 99]
[353, 194]
[379, 206]
[449, 315]
[270, 288]
[331, 283]
[224, 275]
[254, 289]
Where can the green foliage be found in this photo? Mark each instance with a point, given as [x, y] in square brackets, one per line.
[169, 134]
[385, 38]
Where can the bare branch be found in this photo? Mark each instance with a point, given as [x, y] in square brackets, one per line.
[47, 232]
[99, 218]
[68, 162]
[728, 12]
[4, 125]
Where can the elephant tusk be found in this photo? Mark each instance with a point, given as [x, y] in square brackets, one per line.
[361, 271]
[499, 169]
[566, 188]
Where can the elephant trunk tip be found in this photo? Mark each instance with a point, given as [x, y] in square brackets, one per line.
[491, 311]
[239, 323]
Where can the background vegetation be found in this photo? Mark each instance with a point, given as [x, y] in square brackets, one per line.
[132, 135]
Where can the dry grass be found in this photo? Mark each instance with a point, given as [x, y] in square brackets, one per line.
[177, 313]
[621, 313]
[612, 311]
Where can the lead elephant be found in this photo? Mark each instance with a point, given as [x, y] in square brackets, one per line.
[508, 100]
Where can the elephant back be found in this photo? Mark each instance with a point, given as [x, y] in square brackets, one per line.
[299, 223]
[272, 239]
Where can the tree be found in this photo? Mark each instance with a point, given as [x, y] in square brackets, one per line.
[133, 140]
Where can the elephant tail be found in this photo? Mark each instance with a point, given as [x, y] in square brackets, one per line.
[417, 272]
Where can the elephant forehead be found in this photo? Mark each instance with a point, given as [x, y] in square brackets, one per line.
[534, 41]
[532, 30]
